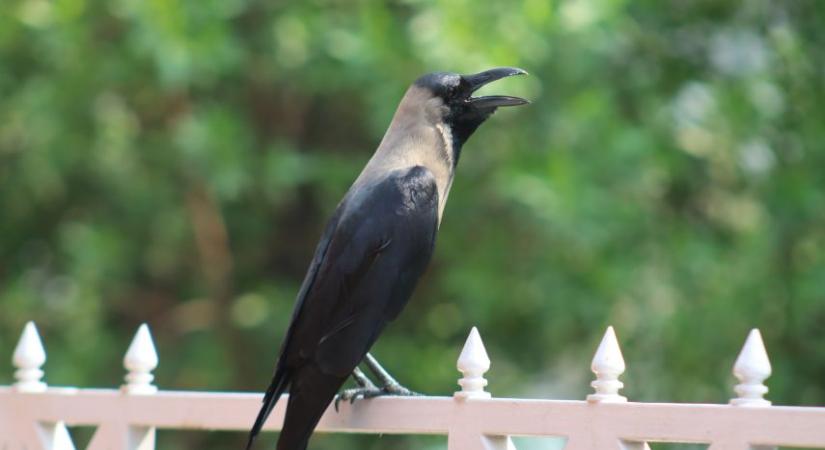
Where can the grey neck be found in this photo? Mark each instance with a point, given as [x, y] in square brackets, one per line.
[416, 138]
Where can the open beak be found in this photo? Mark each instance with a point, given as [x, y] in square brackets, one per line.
[478, 80]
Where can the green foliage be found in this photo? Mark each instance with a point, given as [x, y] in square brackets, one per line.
[173, 162]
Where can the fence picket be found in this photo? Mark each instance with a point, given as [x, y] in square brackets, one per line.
[140, 360]
[29, 356]
[473, 363]
[752, 368]
[608, 365]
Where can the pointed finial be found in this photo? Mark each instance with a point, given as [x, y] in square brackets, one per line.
[59, 438]
[752, 367]
[473, 363]
[29, 356]
[140, 360]
[607, 364]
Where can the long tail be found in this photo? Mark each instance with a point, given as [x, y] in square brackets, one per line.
[279, 384]
[310, 394]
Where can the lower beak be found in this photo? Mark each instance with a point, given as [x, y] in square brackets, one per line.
[478, 80]
[494, 101]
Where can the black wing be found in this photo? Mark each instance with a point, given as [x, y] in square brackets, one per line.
[380, 247]
[364, 270]
[281, 378]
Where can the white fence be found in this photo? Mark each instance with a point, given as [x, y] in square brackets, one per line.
[34, 416]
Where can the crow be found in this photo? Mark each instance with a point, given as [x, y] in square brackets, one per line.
[374, 249]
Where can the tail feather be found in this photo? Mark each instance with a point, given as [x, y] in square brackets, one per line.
[310, 394]
[279, 384]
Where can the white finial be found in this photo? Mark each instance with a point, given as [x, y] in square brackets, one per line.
[56, 436]
[607, 364]
[473, 363]
[140, 360]
[752, 367]
[29, 356]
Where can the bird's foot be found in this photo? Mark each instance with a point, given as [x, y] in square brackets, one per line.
[367, 389]
[351, 395]
[399, 391]
[364, 389]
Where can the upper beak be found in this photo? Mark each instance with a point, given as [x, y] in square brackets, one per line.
[478, 80]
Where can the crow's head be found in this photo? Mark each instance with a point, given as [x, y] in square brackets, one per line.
[451, 100]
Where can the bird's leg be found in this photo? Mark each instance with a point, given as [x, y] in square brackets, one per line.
[367, 389]
[389, 385]
[361, 380]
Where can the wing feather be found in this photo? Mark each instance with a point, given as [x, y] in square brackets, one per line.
[366, 264]
[376, 253]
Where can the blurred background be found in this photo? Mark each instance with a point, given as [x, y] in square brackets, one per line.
[173, 162]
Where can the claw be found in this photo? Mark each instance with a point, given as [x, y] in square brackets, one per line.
[367, 390]
[351, 395]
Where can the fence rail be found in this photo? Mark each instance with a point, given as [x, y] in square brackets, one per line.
[35, 416]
